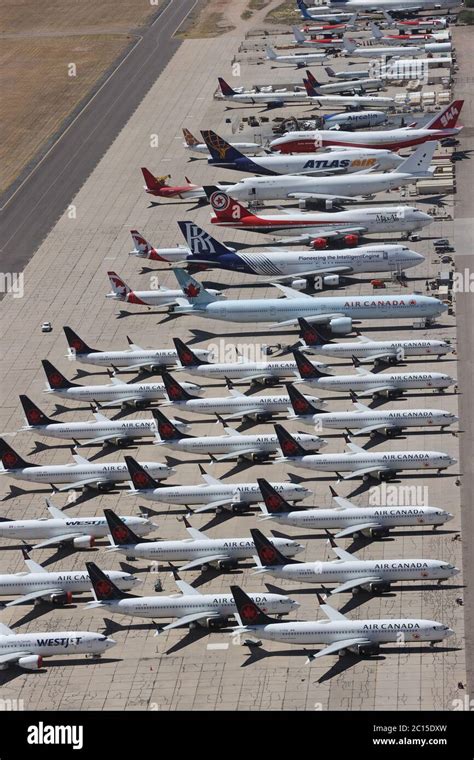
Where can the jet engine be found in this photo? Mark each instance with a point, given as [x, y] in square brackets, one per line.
[341, 325]
[31, 662]
[61, 599]
[83, 542]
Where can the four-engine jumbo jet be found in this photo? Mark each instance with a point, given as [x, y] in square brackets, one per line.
[82, 474]
[347, 518]
[344, 161]
[337, 311]
[27, 650]
[232, 445]
[365, 420]
[190, 608]
[116, 393]
[199, 551]
[213, 494]
[135, 358]
[350, 572]
[62, 529]
[57, 588]
[377, 6]
[291, 186]
[159, 297]
[339, 634]
[360, 463]
[440, 126]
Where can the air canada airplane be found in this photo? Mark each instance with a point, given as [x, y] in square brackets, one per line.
[348, 518]
[190, 607]
[27, 650]
[82, 474]
[57, 588]
[199, 551]
[360, 463]
[350, 572]
[338, 634]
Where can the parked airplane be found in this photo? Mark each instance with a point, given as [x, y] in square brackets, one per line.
[421, 22]
[347, 225]
[367, 421]
[386, 52]
[378, 6]
[104, 431]
[57, 588]
[291, 266]
[78, 532]
[143, 250]
[190, 608]
[83, 474]
[355, 120]
[365, 349]
[344, 161]
[27, 650]
[213, 494]
[258, 407]
[199, 551]
[336, 311]
[350, 101]
[367, 383]
[354, 86]
[427, 42]
[339, 634]
[351, 573]
[440, 126]
[336, 188]
[233, 445]
[347, 518]
[273, 99]
[298, 59]
[157, 187]
[135, 358]
[116, 393]
[192, 144]
[348, 73]
[159, 297]
[359, 463]
[313, 14]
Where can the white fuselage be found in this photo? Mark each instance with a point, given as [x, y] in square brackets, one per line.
[376, 348]
[346, 161]
[356, 120]
[74, 581]
[390, 139]
[117, 392]
[242, 493]
[49, 528]
[133, 358]
[356, 85]
[264, 443]
[116, 429]
[49, 643]
[245, 370]
[240, 405]
[399, 418]
[193, 549]
[106, 472]
[397, 380]
[385, 460]
[242, 147]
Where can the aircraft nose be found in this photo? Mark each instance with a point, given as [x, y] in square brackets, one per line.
[295, 605]
[455, 571]
[449, 516]
[418, 256]
[110, 643]
[449, 632]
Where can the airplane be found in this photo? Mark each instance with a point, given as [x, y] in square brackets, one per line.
[359, 463]
[440, 126]
[192, 144]
[350, 101]
[157, 187]
[273, 99]
[365, 349]
[199, 551]
[339, 634]
[159, 297]
[27, 650]
[190, 608]
[367, 383]
[354, 86]
[116, 393]
[348, 225]
[336, 311]
[386, 52]
[297, 268]
[102, 431]
[347, 518]
[298, 59]
[82, 474]
[378, 6]
[417, 23]
[367, 421]
[348, 73]
[327, 15]
[344, 161]
[57, 588]
[61, 529]
[213, 494]
[336, 188]
[355, 120]
[262, 372]
[237, 405]
[331, 40]
[135, 358]
[435, 46]
[143, 250]
[233, 445]
[351, 573]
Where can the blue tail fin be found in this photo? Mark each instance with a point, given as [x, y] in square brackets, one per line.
[200, 243]
[221, 151]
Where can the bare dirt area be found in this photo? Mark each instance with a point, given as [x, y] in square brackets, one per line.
[39, 87]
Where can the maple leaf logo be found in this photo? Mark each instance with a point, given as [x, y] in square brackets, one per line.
[268, 553]
[300, 405]
[55, 379]
[249, 612]
[166, 430]
[10, 459]
[77, 344]
[288, 447]
[174, 392]
[120, 533]
[141, 478]
[273, 501]
[104, 588]
[310, 336]
[191, 290]
[33, 415]
[186, 356]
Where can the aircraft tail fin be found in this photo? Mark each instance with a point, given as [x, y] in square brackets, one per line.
[447, 118]
[376, 31]
[298, 35]
[200, 243]
[248, 612]
[167, 430]
[186, 355]
[271, 55]
[142, 246]
[349, 44]
[76, 343]
[306, 368]
[55, 378]
[311, 335]
[33, 414]
[141, 479]
[267, 552]
[226, 89]
[330, 71]
[174, 390]
[274, 502]
[302, 407]
[196, 294]
[225, 208]
[119, 286]
[189, 138]
[105, 589]
[420, 160]
[221, 151]
[10, 459]
[153, 183]
[289, 446]
[121, 534]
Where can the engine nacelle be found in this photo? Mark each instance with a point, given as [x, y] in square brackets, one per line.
[60, 599]
[299, 284]
[216, 622]
[83, 542]
[351, 240]
[341, 325]
[125, 441]
[319, 243]
[371, 648]
[331, 280]
[31, 662]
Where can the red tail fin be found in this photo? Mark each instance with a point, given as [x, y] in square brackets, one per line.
[225, 208]
[448, 117]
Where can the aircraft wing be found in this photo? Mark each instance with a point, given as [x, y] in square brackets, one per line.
[354, 584]
[12, 656]
[237, 453]
[378, 389]
[372, 428]
[337, 646]
[320, 196]
[381, 356]
[356, 528]
[79, 484]
[57, 540]
[366, 471]
[34, 595]
[317, 319]
[291, 292]
[213, 505]
[196, 617]
[124, 399]
[311, 273]
[204, 561]
[100, 438]
[238, 415]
